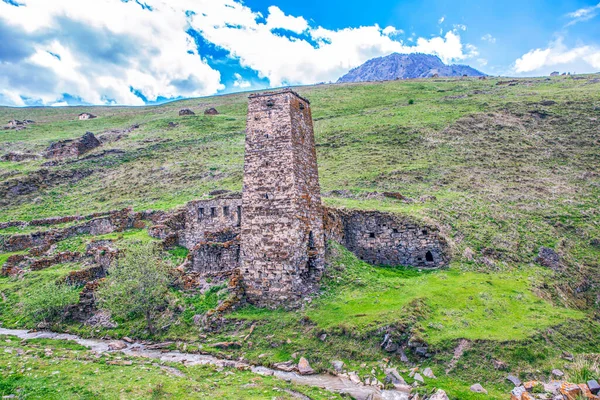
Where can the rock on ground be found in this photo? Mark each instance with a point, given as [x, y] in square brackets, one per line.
[439, 395]
[304, 367]
[558, 372]
[427, 372]
[514, 380]
[549, 258]
[117, 345]
[477, 388]
[338, 366]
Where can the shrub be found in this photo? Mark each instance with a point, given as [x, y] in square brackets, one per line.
[137, 286]
[411, 102]
[48, 303]
[584, 368]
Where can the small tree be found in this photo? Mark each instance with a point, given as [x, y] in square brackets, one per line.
[137, 285]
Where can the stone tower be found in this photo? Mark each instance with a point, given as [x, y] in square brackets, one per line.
[282, 239]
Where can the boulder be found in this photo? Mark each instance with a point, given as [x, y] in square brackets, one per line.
[72, 148]
[549, 258]
[304, 367]
[586, 392]
[427, 372]
[421, 351]
[419, 378]
[211, 111]
[514, 380]
[392, 376]
[570, 391]
[186, 111]
[338, 366]
[517, 393]
[439, 395]
[287, 366]
[117, 345]
[558, 373]
[85, 116]
[594, 386]
[477, 388]
[552, 387]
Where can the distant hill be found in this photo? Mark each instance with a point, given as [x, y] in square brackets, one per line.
[405, 66]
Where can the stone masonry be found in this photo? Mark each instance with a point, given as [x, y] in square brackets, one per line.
[282, 240]
[206, 217]
[274, 232]
[386, 239]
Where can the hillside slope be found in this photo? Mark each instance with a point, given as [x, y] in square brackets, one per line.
[506, 168]
[405, 66]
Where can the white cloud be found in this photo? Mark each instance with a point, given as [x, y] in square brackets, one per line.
[99, 50]
[441, 20]
[285, 61]
[391, 31]
[240, 82]
[106, 47]
[583, 14]
[580, 59]
[460, 27]
[488, 38]
[277, 19]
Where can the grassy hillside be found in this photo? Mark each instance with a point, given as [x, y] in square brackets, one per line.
[504, 167]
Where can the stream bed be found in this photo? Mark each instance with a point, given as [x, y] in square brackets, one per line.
[325, 381]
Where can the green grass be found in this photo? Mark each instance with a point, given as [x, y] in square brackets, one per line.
[507, 175]
[62, 370]
[459, 305]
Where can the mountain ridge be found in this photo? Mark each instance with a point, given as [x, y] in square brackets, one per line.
[405, 66]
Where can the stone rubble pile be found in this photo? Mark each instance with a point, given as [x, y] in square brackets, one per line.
[18, 125]
[555, 389]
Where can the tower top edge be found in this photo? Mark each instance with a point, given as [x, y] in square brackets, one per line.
[277, 93]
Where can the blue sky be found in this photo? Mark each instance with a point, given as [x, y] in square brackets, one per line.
[59, 52]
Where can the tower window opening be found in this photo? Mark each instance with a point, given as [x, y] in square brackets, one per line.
[372, 235]
[302, 106]
[424, 232]
[213, 211]
[200, 212]
[270, 103]
[239, 215]
[395, 230]
[311, 241]
[429, 256]
[226, 211]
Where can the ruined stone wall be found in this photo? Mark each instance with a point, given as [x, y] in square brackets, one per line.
[282, 245]
[206, 217]
[72, 148]
[115, 221]
[214, 257]
[386, 239]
